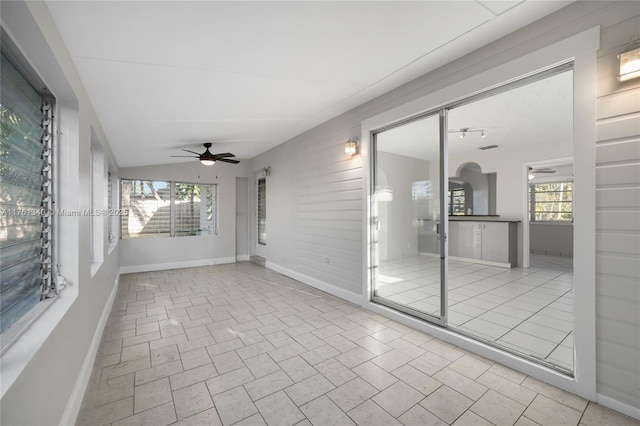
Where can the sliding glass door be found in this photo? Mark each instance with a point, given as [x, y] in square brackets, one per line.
[408, 219]
[503, 213]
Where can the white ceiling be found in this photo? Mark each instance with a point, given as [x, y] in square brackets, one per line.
[247, 76]
[539, 112]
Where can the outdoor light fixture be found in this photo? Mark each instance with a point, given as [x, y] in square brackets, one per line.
[630, 61]
[266, 171]
[351, 146]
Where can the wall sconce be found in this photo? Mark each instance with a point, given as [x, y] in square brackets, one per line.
[351, 146]
[630, 61]
[266, 171]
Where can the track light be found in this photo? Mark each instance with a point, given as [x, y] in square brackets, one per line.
[464, 130]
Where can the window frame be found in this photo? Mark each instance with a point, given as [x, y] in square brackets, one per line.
[261, 212]
[48, 287]
[533, 202]
[172, 230]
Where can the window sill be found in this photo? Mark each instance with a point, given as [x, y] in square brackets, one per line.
[95, 267]
[29, 339]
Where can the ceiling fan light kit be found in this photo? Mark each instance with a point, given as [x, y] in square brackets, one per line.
[209, 159]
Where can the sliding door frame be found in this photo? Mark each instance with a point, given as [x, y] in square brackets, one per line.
[581, 49]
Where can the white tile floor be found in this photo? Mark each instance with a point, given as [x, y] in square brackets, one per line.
[526, 310]
[239, 344]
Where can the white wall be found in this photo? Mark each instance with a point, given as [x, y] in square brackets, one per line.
[398, 235]
[44, 374]
[149, 254]
[553, 239]
[317, 236]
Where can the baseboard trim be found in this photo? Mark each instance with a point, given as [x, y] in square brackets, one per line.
[71, 411]
[242, 258]
[131, 269]
[621, 407]
[320, 285]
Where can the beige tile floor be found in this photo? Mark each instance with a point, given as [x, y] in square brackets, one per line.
[529, 311]
[239, 344]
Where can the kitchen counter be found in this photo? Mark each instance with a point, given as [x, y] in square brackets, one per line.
[480, 218]
[487, 240]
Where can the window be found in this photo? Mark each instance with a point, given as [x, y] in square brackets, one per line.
[109, 207]
[457, 201]
[262, 211]
[167, 209]
[551, 201]
[147, 208]
[195, 208]
[26, 218]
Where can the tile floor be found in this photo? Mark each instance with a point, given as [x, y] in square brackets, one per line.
[526, 310]
[239, 344]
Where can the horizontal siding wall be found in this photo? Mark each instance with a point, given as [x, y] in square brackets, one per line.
[329, 212]
[618, 222]
[315, 225]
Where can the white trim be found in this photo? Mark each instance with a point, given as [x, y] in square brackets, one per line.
[131, 269]
[621, 407]
[314, 282]
[581, 49]
[242, 258]
[72, 409]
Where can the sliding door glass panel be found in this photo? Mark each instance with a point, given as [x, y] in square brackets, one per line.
[406, 226]
[516, 151]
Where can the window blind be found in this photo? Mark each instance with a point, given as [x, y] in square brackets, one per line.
[25, 196]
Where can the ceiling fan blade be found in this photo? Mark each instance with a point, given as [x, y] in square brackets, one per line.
[226, 154]
[225, 160]
[185, 156]
[193, 152]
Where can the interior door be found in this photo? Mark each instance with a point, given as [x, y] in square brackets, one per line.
[408, 211]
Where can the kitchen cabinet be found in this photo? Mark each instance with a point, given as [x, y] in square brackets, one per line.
[489, 242]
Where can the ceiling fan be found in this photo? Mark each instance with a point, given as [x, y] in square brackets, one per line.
[541, 170]
[209, 159]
